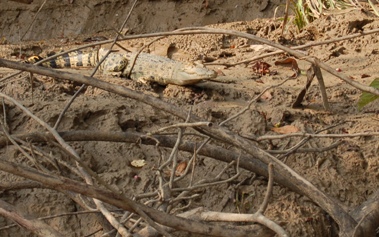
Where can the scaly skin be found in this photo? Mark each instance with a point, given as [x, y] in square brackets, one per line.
[147, 67]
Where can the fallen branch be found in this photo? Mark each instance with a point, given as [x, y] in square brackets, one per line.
[206, 30]
[64, 184]
[368, 215]
[36, 226]
[314, 135]
[215, 152]
[346, 223]
[308, 45]
[22, 1]
[257, 217]
[57, 215]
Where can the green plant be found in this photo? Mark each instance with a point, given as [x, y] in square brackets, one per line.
[302, 14]
[305, 11]
[366, 97]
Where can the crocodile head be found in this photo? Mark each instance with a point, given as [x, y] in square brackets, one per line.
[191, 74]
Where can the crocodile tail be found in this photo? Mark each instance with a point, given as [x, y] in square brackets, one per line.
[68, 60]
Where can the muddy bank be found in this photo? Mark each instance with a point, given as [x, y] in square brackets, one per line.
[69, 20]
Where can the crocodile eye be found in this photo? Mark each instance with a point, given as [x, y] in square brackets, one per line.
[189, 69]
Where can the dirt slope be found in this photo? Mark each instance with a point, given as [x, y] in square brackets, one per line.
[62, 19]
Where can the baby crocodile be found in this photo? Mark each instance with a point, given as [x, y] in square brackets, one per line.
[147, 67]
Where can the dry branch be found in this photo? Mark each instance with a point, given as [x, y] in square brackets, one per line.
[314, 135]
[5, 186]
[56, 216]
[218, 153]
[84, 170]
[256, 217]
[320, 80]
[346, 223]
[22, 1]
[64, 184]
[205, 30]
[368, 215]
[114, 41]
[36, 226]
[237, 217]
[293, 52]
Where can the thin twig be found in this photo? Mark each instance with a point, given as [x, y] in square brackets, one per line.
[358, 227]
[34, 19]
[321, 83]
[94, 70]
[30, 158]
[111, 219]
[58, 215]
[270, 184]
[193, 162]
[36, 226]
[121, 229]
[255, 99]
[234, 217]
[181, 125]
[216, 181]
[60, 140]
[136, 224]
[18, 146]
[308, 45]
[307, 150]
[175, 151]
[305, 140]
[313, 135]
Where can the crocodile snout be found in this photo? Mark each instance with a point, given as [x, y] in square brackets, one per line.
[198, 72]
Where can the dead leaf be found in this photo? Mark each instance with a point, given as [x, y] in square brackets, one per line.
[262, 48]
[267, 96]
[180, 168]
[259, 81]
[220, 73]
[285, 129]
[365, 75]
[290, 62]
[261, 68]
[138, 163]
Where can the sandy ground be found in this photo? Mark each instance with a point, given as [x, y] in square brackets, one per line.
[349, 172]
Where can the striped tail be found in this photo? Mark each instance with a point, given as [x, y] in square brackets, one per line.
[74, 59]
